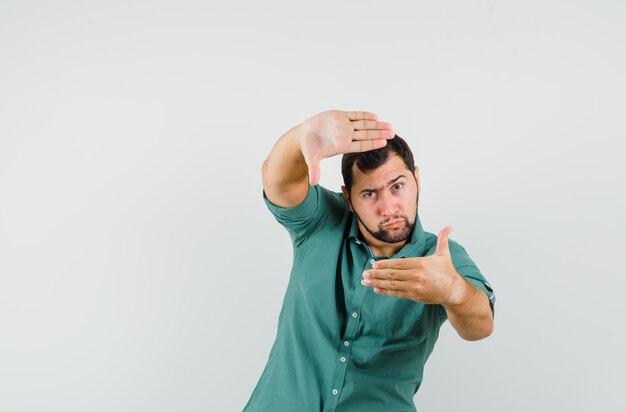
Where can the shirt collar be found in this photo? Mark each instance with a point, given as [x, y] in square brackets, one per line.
[414, 247]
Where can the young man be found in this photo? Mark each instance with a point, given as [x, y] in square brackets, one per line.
[369, 288]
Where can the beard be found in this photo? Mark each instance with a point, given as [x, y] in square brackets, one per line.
[395, 235]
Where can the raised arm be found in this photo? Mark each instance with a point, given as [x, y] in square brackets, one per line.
[294, 161]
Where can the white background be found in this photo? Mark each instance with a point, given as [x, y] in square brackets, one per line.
[140, 269]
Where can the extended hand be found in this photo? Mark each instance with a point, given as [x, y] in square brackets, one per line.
[334, 132]
[430, 279]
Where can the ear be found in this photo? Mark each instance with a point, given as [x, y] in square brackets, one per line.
[417, 179]
[347, 196]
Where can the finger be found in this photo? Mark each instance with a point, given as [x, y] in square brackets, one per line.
[393, 293]
[365, 145]
[399, 285]
[361, 116]
[442, 241]
[314, 171]
[371, 125]
[400, 264]
[387, 274]
[372, 134]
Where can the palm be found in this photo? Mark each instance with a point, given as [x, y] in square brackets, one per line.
[336, 132]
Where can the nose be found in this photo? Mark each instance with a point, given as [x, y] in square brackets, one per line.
[387, 205]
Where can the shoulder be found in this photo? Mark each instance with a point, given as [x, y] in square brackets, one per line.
[320, 208]
[457, 252]
[459, 255]
[334, 200]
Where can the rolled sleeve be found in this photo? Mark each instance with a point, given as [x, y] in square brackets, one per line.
[466, 267]
[473, 276]
[300, 219]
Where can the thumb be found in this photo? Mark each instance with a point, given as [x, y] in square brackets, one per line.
[442, 241]
[314, 170]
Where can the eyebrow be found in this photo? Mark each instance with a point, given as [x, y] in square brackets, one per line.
[392, 181]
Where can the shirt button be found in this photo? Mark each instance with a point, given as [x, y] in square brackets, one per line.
[335, 391]
[363, 282]
[342, 359]
[346, 343]
[372, 261]
[358, 242]
[354, 314]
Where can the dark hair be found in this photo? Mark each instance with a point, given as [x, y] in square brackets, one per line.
[372, 159]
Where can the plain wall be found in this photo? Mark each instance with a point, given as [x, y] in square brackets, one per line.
[140, 269]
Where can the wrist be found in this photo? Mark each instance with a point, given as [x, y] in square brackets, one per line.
[296, 136]
[457, 292]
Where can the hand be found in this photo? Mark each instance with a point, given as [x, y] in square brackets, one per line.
[430, 279]
[334, 132]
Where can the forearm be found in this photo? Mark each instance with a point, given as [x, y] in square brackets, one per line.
[471, 314]
[285, 171]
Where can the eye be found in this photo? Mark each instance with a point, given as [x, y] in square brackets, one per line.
[368, 194]
[398, 186]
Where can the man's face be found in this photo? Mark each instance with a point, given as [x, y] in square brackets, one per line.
[385, 200]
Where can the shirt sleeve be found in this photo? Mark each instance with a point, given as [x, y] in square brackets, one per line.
[470, 271]
[301, 219]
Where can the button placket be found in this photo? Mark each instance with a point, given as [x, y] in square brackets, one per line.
[345, 346]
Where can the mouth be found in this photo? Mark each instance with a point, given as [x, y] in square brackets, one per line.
[393, 223]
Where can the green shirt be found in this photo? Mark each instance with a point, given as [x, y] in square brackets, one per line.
[339, 345]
